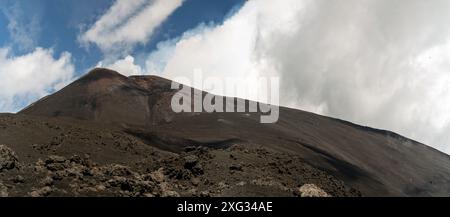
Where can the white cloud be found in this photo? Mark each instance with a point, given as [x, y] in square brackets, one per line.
[125, 66]
[29, 77]
[23, 29]
[127, 23]
[380, 63]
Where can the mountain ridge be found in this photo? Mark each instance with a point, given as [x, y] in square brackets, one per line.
[374, 162]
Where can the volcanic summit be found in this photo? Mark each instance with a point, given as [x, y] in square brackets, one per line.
[106, 134]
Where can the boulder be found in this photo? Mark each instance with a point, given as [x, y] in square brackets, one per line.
[8, 159]
[3, 190]
[42, 192]
[311, 190]
[190, 161]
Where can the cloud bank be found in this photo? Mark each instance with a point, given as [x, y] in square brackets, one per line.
[380, 63]
[125, 66]
[127, 23]
[31, 76]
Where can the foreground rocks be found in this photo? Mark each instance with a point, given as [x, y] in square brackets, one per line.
[8, 159]
[3, 190]
[80, 176]
[311, 190]
[86, 177]
[198, 171]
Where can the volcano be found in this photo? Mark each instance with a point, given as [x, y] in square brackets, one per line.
[111, 135]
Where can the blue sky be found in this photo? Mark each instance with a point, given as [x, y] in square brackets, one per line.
[59, 24]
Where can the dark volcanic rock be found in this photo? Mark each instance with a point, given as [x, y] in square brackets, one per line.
[8, 159]
[3, 190]
[236, 167]
[190, 161]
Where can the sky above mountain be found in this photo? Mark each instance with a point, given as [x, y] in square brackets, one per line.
[382, 63]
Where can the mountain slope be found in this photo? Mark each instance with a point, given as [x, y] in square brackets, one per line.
[374, 162]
